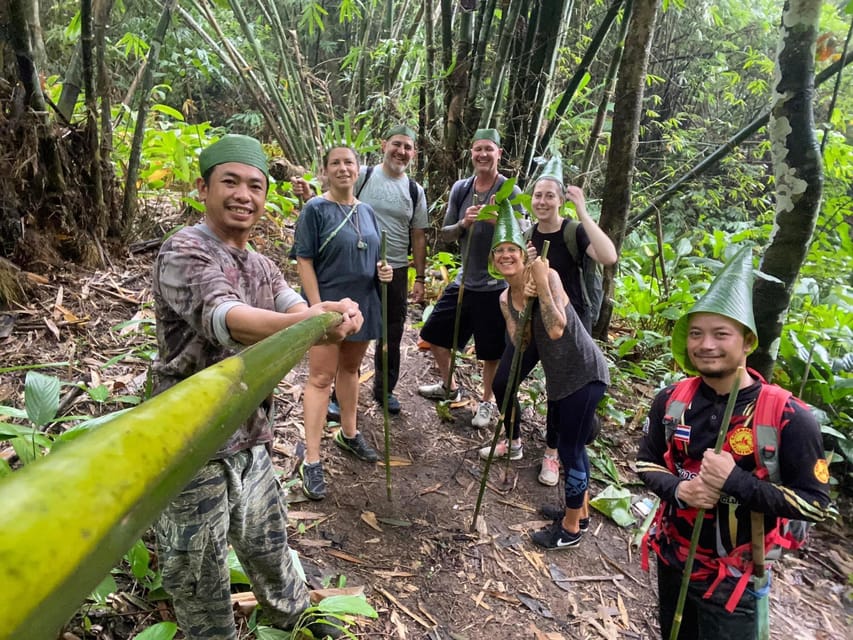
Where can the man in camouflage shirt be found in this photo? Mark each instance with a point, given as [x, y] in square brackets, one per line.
[212, 297]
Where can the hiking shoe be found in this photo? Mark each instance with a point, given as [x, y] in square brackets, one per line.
[555, 537]
[437, 391]
[313, 480]
[501, 450]
[550, 512]
[483, 418]
[357, 446]
[393, 403]
[549, 473]
[333, 411]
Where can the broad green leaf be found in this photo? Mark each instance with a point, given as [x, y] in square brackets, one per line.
[139, 559]
[104, 589]
[9, 431]
[238, 575]
[269, 633]
[99, 393]
[615, 504]
[41, 397]
[160, 631]
[169, 111]
[12, 412]
[505, 191]
[355, 605]
[5, 469]
[25, 449]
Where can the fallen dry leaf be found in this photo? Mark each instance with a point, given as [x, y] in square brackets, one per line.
[370, 519]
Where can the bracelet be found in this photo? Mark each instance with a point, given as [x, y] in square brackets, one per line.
[420, 279]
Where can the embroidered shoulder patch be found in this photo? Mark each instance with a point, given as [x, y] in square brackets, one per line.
[741, 442]
[821, 470]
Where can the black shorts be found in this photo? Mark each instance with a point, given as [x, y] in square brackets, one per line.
[480, 316]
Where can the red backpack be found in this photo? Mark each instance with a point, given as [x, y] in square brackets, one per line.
[766, 428]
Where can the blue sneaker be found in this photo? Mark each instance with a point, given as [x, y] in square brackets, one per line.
[333, 412]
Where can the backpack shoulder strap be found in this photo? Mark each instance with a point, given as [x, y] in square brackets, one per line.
[367, 173]
[570, 237]
[679, 401]
[463, 192]
[528, 232]
[413, 194]
[766, 425]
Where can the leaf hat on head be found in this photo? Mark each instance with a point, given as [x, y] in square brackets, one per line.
[729, 295]
[507, 229]
[553, 170]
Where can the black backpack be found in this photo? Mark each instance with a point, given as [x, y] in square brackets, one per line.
[592, 280]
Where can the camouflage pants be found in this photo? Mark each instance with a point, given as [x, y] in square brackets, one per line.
[237, 500]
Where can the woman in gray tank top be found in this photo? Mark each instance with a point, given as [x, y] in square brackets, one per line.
[573, 391]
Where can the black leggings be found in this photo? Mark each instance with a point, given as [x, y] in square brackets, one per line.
[574, 417]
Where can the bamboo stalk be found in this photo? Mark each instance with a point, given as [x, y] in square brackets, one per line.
[457, 318]
[383, 250]
[513, 373]
[700, 514]
[96, 495]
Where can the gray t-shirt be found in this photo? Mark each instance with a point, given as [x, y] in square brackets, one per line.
[392, 204]
[480, 234]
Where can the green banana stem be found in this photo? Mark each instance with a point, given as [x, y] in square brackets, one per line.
[700, 514]
[513, 375]
[385, 384]
[84, 505]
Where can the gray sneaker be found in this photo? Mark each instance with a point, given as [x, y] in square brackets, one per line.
[313, 480]
[357, 446]
[485, 411]
[438, 391]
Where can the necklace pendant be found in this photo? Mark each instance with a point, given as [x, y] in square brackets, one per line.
[361, 245]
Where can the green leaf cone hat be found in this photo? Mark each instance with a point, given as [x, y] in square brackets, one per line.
[507, 229]
[729, 295]
[553, 170]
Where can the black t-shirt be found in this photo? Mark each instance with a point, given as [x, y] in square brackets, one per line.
[562, 262]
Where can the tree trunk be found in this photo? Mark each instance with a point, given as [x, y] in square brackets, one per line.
[129, 205]
[623, 139]
[34, 98]
[458, 89]
[97, 223]
[36, 34]
[798, 169]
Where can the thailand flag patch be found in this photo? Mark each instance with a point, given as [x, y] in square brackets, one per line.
[682, 436]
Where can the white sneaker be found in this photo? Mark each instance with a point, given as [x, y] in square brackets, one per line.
[549, 475]
[502, 450]
[437, 391]
[485, 411]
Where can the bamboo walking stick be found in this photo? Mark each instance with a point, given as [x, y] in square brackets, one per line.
[458, 317]
[383, 248]
[700, 514]
[513, 373]
[762, 606]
